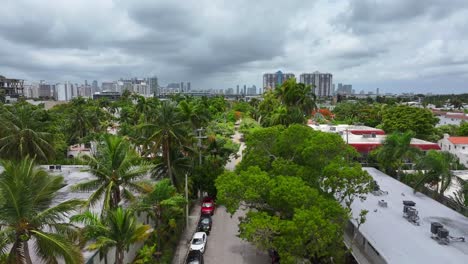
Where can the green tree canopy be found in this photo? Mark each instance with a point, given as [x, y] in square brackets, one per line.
[29, 217]
[403, 118]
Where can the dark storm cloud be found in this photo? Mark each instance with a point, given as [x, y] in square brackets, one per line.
[222, 43]
[367, 16]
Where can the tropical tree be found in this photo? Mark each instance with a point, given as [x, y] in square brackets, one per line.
[29, 216]
[117, 168]
[435, 168]
[403, 118]
[166, 132]
[22, 134]
[162, 203]
[118, 228]
[395, 152]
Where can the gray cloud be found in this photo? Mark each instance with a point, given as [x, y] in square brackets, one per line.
[218, 44]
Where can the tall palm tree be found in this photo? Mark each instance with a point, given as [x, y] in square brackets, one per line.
[163, 202]
[166, 132]
[118, 228]
[395, 150]
[28, 215]
[298, 95]
[117, 167]
[21, 134]
[436, 170]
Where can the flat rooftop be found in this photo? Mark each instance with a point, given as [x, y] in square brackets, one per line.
[399, 241]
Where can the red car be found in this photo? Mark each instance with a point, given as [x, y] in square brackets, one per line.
[208, 206]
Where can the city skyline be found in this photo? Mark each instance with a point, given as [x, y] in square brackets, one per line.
[398, 46]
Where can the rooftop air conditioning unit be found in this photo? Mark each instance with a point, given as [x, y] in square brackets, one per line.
[410, 213]
[332, 128]
[442, 235]
[373, 135]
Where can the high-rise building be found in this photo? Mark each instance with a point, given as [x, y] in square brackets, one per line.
[153, 85]
[64, 91]
[109, 86]
[252, 90]
[95, 86]
[229, 91]
[46, 90]
[245, 90]
[182, 88]
[273, 80]
[188, 87]
[237, 91]
[321, 83]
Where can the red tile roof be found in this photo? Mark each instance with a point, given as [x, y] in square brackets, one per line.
[458, 140]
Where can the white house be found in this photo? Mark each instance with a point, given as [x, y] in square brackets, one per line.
[452, 119]
[457, 146]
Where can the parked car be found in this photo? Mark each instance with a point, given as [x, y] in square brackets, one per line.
[208, 206]
[198, 242]
[204, 225]
[195, 257]
[274, 256]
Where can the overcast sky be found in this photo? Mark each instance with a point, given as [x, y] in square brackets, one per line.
[396, 45]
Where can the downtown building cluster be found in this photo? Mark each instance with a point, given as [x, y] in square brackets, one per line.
[322, 83]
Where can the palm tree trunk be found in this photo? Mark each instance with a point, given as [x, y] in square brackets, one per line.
[167, 158]
[27, 256]
[115, 197]
[119, 255]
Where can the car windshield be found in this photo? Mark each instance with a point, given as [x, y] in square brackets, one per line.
[207, 205]
[205, 221]
[197, 241]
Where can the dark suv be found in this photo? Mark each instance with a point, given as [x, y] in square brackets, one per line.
[194, 257]
[204, 225]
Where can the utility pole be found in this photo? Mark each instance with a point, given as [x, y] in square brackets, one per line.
[187, 204]
[200, 137]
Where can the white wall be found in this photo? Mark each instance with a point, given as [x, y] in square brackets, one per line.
[459, 150]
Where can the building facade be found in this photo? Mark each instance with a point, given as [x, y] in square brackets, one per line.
[273, 80]
[321, 83]
[13, 88]
[458, 146]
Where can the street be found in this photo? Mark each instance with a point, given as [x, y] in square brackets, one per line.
[223, 245]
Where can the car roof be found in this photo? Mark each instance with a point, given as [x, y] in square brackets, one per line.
[207, 199]
[199, 234]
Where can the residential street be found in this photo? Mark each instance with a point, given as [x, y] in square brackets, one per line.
[223, 245]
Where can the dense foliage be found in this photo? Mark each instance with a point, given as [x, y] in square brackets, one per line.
[290, 182]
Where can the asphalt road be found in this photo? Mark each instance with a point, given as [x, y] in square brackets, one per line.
[223, 245]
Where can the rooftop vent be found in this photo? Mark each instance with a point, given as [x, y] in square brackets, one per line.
[383, 203]
[410, 213]
[442, 235]
[332, 128]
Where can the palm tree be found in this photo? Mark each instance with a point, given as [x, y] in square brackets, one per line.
[162, 202]
[436, 170]
[22, 135]
[298, 95]
[28, 215]
[461, 195]
[117, 167]
[395, 150]
[118, 228]
[166, 132]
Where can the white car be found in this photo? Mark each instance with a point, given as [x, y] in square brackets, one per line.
[198, 242]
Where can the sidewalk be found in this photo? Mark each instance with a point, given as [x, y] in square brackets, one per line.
[183, 246]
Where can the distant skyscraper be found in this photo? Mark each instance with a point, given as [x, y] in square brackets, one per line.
[252, 90]
[188, 87]
[95, 86]
[321, 82]
[237, 91]
[45, 90]
[182, 88]
[64, 91]
[377, 91]
[245, 90]
[273, 80]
